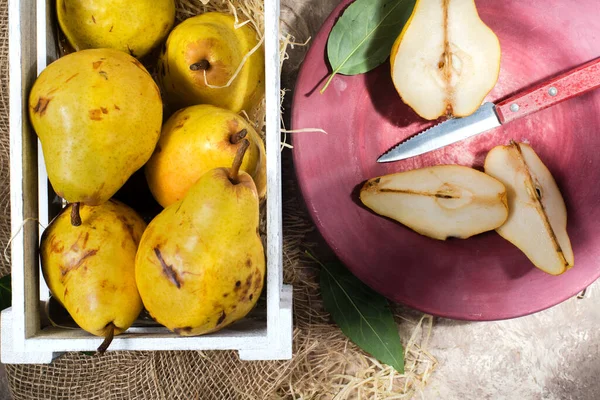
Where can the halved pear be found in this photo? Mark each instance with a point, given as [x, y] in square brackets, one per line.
[537, 221]
[446, 60]
[439, 202]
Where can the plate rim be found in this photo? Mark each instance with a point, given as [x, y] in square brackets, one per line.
[322, 34]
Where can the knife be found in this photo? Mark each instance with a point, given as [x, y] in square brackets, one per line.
[555, 90]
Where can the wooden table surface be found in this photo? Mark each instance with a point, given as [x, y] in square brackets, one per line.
[551, 355]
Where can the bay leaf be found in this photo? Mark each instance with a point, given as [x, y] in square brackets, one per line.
[363, 36]
[362, 314]
[5, 292]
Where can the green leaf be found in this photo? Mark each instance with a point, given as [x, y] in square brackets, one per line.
[5, 292]
[363, 36]
[362, 314]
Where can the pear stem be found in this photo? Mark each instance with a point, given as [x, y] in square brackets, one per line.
[75, 217]
[236, 137]
[237, 161]
[203, 65]
[110, 334]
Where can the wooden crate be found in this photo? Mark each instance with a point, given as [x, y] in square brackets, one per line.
[26, 336]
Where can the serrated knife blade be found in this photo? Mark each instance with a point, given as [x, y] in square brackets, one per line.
[445, 133]
[572, 83]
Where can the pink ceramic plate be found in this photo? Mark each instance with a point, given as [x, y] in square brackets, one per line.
[485, 277]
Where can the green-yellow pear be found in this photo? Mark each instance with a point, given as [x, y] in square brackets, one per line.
[90, 269]
[133, 26]
[201, 56]
[200, 265]
[195, 140]
[446, 59]
[98, 115]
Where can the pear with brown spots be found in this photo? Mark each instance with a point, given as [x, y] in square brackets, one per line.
[90, 269]
[98, 115]
[212, 59]
[200, 265]
[133, 26]
[194, 141]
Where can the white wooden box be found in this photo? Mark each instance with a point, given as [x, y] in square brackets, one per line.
[26, 337]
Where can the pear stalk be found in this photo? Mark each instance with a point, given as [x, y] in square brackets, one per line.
[203, 65]
[110, 334]
[75, 217]
[236, 137]
[237, 161]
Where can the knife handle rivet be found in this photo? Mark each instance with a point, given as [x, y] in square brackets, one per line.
[553, 91]
[514, 107]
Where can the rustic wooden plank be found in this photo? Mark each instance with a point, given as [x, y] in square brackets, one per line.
[23, 170]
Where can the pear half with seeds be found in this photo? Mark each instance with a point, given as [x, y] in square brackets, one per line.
[446, 59]
[439, 202]
[537, 222]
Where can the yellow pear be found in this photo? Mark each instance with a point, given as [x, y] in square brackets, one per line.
[133, 26]
[98, 115]
[195, 140]
[201, 56]
[90, 269]
[446, 60]
[200, 265]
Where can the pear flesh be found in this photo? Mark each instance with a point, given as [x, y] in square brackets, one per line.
[201, 263]
[90, 269]
[439, 202]
[446, 60]
[537, 222]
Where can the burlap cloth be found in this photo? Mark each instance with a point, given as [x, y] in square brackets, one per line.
[4, 139]
[325, 364]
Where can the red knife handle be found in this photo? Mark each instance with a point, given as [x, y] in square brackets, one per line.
[553, 91]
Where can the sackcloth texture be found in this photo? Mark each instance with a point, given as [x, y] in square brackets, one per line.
[4, 139]
[325, 363]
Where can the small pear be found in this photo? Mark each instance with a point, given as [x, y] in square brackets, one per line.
[200, 265]
[446, 59]
[537, 222]
[195, 140]
[439, 202]
[132, 26]
[202, 54]
[98, 115]
[90, 269]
